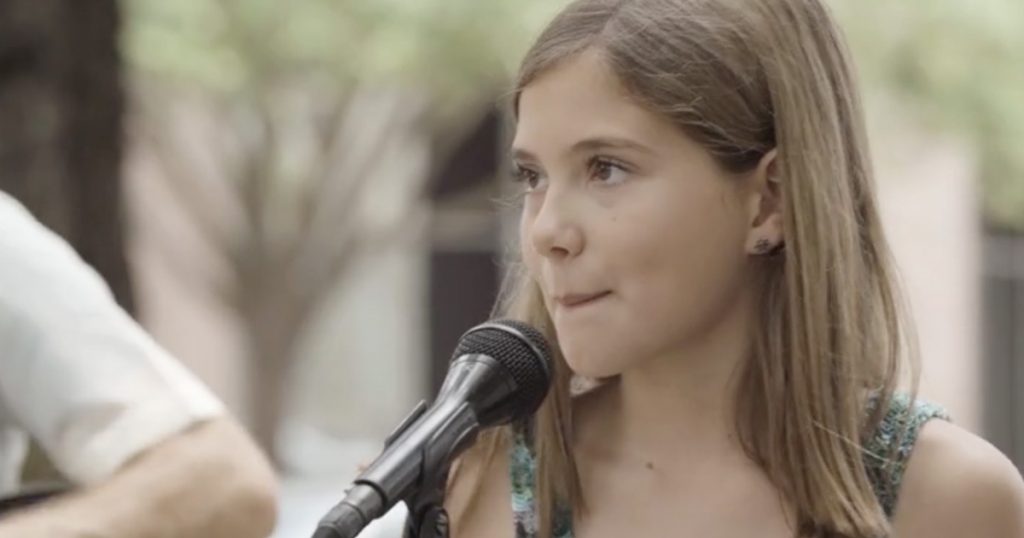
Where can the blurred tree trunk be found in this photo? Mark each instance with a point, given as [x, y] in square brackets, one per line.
[60, 132]
[288, 237]
[61, 106]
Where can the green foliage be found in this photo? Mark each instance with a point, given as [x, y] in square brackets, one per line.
[447, 47]
[960, 63]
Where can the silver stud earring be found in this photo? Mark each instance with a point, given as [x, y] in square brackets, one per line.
[764, 247]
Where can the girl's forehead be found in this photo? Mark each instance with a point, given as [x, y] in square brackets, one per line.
[581, 101]
[582, 88]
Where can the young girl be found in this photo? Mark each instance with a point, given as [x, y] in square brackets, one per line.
[699, 235]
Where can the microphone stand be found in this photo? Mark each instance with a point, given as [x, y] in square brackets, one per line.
[427, 516]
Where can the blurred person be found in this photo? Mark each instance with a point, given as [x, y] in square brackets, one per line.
[699, 237]
[151, 451]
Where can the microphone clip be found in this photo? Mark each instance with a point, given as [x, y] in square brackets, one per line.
[427, 515]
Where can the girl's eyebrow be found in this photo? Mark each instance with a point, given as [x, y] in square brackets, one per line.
[588, 144]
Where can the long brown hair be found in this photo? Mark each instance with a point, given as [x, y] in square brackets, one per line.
[742, 77]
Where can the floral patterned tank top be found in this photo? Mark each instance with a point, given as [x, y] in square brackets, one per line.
[886, 456]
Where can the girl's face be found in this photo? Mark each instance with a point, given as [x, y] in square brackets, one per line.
[635, 236]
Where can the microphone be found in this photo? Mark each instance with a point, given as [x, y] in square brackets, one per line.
[500, 372]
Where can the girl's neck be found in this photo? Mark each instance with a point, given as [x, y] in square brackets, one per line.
[678, 405]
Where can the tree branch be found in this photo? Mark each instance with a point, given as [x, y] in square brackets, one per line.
[184, 181]
[375, 129]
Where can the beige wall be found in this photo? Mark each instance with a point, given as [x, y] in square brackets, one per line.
[927, 190]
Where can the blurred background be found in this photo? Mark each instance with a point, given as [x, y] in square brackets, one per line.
[301, 200]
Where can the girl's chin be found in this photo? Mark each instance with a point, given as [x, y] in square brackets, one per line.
[592, 367]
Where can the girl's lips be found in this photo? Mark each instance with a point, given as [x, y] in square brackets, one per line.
[573, 300]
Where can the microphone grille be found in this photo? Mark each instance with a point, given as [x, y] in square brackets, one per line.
[522, 350]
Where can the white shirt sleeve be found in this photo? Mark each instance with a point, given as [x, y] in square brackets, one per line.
[76, 371]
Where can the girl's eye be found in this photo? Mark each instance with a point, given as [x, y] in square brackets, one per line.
[607, 170]
[529, 178]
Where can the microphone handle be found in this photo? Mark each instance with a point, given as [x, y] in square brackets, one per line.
[413, 468]
[361, 505]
